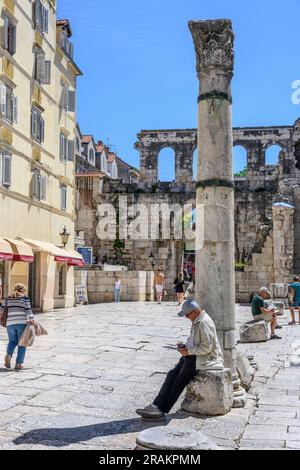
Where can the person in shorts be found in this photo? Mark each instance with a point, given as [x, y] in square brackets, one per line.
[159, 281]
[260, 311]
[294, 294]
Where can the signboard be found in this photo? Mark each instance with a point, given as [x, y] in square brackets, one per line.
[81, 294]
[87, 253]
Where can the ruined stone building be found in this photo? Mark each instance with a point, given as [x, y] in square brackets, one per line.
[267, 206]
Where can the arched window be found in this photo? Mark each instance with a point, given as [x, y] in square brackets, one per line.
[166, 165]
[195, 163]
[239, 161]
[272, 154]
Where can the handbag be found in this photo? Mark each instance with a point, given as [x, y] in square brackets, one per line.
[3, 316]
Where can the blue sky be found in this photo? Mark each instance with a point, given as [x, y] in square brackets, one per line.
[138, 61]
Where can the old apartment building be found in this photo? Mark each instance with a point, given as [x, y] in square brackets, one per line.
[38, 76]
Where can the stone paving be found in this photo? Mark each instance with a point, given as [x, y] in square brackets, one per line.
[82, 383]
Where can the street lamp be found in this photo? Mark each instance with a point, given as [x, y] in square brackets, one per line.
[64, 235]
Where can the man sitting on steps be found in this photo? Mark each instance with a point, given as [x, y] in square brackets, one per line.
[260, 311]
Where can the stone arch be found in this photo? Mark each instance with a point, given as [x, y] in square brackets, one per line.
[240, 160]
[166, 163]
[272, 153]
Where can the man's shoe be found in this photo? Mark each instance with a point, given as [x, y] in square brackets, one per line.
[19, 367]
[278, 327]
[151, 412]
[275, 337]
[7, 361]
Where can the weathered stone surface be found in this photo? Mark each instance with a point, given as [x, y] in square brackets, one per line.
[210, 393]
[254, 332]
[244, 369]
[171, 438]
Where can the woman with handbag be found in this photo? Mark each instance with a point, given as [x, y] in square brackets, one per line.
[16, 313]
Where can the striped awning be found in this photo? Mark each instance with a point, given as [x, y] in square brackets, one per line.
[71, 257]
[6, 252]
[21, 251]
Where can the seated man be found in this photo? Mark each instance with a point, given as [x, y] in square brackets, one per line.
[201, 352]
[260, 311]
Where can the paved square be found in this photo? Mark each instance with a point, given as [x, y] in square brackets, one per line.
[82, 383]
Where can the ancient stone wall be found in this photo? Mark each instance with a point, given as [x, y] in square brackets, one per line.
[254, 198]
[136, 286]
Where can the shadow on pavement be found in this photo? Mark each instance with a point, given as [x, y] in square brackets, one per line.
[60, 437]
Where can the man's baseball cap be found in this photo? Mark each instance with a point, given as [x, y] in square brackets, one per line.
[265, 289]
[187, 307]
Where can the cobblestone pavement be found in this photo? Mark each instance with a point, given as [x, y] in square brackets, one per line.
[83, 382]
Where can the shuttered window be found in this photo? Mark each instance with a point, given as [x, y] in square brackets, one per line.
[71, 150]
[39, 185]
[37, 125]
[42, 68]
[5, 169]
[9, 35]
[41, 16]
[9, 103]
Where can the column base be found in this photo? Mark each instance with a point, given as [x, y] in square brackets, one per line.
[210, 393]
[239, 394]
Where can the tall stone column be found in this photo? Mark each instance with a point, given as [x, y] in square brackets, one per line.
[215, 275]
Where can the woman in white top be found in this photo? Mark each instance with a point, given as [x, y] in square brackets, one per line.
[117, 289]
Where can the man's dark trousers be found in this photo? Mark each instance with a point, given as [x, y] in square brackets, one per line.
[176, 381]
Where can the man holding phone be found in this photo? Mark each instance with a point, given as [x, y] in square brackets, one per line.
[202, 351]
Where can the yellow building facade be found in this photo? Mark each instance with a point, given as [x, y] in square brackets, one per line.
[37, 171]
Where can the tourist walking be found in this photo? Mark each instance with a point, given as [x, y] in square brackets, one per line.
[117, 289]
[179, 286]
[294, 301]
[159, 282]
[19, 314]
[260, 311]
[202, 351]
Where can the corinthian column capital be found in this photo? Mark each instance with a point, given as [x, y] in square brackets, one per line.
[213, 40]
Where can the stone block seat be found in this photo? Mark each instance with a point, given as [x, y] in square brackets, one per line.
[254, 332]
[209, 393]
[171, 438]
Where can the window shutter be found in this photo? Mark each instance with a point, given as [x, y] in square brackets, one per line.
[42, 129]
[5, 33]
[15, 109]
[71, 50]
[63, 197]
[71, 150]
[36, 185]
[38, 14]
[47, 75]
[14, 40]
[62, 147]
[40, 67]
[6, 170]
[43, 187]
[33, 123]
[65, 97]
[3, 98]
[45, 20]
[71, 101]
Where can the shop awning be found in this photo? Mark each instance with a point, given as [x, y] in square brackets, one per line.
[21, 251]
[71, 257]
[6, 252]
